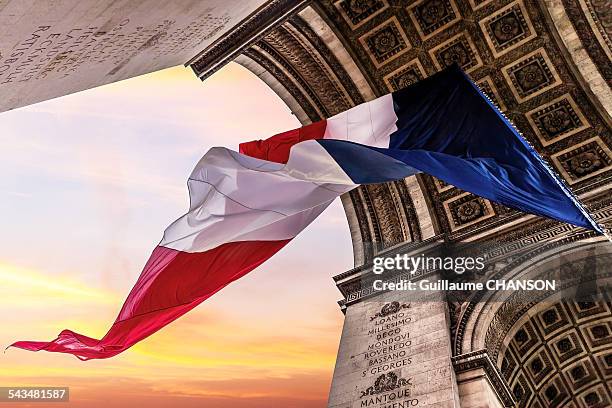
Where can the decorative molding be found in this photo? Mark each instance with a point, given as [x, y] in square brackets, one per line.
[303, 65]
[480, 359]
[567, 20]
[459, 49]
[335, 67]
[584, 160]
[587, 25]
[508, 28]
[467, 209]
[351, 283]
[358, 13]
[557, 119]
[405, 75]
[392, 228]
[531, 75]
[433, 17]
[327, 36]
[385, 42]
[247, 32]
[389, 309]
[599, 16]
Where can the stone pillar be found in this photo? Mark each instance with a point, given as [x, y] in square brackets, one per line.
[481, 385]
[395, 352]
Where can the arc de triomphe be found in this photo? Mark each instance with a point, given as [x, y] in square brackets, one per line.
[545, 64]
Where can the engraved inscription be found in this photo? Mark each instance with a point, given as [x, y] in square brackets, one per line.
[50, 50]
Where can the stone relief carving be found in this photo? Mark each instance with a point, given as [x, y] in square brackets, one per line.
[458, 50]
[386, 42]
[386, 382]
[584, 160]
[386, 214]
[431, 17]
[309, 67]
[358, 12]
[508, 28]
[558, 119]
[390, 309]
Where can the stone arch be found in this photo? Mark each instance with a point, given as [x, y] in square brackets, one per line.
[333, 54]
[554, 347]
[325, 56]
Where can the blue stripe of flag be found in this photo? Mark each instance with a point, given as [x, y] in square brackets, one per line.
[448, 129]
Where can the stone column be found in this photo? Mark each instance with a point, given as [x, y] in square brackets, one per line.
[395, 352]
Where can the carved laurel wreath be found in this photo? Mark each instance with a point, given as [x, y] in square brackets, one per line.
[389, 309]
[384, 383]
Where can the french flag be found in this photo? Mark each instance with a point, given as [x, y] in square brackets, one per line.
[245, 207]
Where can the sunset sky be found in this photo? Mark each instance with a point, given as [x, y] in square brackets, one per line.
[88, 182]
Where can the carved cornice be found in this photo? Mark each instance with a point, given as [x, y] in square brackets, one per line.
[404, 248]
[539, 236]
[600, 11]
[480, 359]
[247, 32]
[356, 284]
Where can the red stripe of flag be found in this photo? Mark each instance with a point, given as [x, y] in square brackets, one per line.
[171, 284]
[277, 147]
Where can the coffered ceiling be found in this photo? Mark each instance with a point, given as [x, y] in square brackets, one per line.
[546, 65]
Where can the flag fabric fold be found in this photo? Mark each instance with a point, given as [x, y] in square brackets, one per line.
[246, 206]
